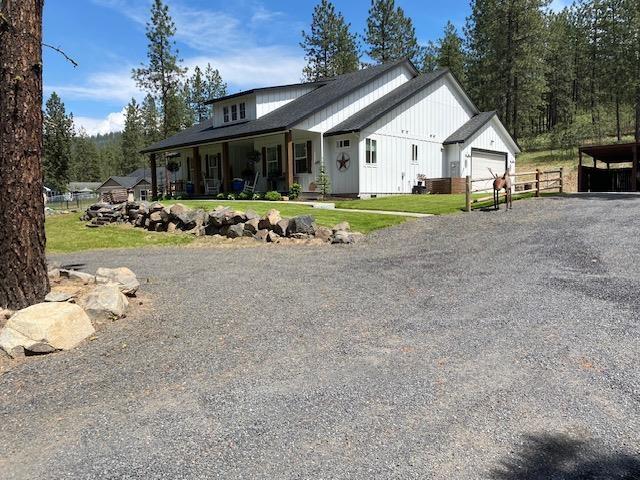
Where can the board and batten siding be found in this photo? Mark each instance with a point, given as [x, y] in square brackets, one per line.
[489, 137]
[269, 100]
[250, 106]
[348, 105]
[426, 120]
[342, 182]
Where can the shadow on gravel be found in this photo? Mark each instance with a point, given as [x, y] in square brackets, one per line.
[597, 196]
[560, 457]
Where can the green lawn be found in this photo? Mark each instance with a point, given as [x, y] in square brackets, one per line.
[66, 233]
[433, 204]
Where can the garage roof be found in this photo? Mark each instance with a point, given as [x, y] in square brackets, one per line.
[466, 131]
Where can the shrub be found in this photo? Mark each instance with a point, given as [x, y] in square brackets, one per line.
[273, 196]
[231, 196]
[323, 181]
[244, 196]
[257, 196]
[294, 191]
[220, 196]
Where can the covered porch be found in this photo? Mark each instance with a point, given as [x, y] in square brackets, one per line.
[617, 172]
[272, 162]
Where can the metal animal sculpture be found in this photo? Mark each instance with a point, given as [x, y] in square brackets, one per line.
[498, 184]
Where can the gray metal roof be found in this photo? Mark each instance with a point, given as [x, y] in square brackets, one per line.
[281, 118]
[466, 131]
[263, 89]
[368, 115]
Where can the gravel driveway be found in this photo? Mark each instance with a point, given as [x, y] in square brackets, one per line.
[490, 345]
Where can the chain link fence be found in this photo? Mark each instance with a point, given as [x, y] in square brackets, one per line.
[71, 201]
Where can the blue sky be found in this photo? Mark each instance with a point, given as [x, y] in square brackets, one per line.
[252, 43]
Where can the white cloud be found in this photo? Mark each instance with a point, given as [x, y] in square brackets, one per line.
[104, 86]
[114, 122]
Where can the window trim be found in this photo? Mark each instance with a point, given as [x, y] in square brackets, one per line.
[345, 143]
[414, 153]
[234, 112]
[371, 152]
[242, 107]
[225, 113]
[303, 158]
[277, 172]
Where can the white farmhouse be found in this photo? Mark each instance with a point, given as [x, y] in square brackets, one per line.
[377, 131]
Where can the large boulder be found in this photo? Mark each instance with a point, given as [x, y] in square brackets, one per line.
[342, 237]
[270, 220]
[159, 216]
[251, 226]
[261, 235]
[178, 213]
[221, 217]
[282, 227]
[190, 219]
[302, 224]
[156, 207]
[45, 327]
[235, 231]
[323, 233]
[105, 302]
[123, 277]
[250, 214]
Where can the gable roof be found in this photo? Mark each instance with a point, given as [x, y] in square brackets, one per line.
[281, 118]
[368, 115]
[124, 182]
[466, 131]
[242, 93]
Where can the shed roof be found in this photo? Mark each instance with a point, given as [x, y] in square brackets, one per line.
[281, 118]
[614, 153]
[368, 115]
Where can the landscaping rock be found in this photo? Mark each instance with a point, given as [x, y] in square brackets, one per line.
[156, 207]
[342, 227]
[198, 231]
[123, 277]
[273, 237]
[61, 326]
[323, 233]
[250, 214]
[282, 227]
[302, 224]
[54, 296]
[54, 274]
[236, 230]
[239, 217]
[251, 225]
[271, 218]
[105, 303]
[261, 235]
[159, 216]
[172, 227]
[342, 237]
[78, 277]
[221, 217]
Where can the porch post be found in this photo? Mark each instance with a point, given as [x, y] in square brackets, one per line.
[226, 171]
[154, 177]
[580, 169]
[634, 169]
[197, 171]
[288, 144]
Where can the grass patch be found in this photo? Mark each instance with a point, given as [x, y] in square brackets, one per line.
[66, 233]
[360, 222]
[433, 204]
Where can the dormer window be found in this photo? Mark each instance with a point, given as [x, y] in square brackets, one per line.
[243, 111]
[225, 113]
[234, 113]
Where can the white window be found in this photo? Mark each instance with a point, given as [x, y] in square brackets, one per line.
[234, 113]
[243, 111]
[343, 143]
[372, 158]
[143, 195]
[225, 112]
[414, 153]
[301, 165]
[273, 165]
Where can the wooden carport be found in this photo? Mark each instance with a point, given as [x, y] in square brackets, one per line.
[617, 179]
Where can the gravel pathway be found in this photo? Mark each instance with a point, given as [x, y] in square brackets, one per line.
[486, 345]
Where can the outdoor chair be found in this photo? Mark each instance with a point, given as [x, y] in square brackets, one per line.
[251, 188]
[211, 186]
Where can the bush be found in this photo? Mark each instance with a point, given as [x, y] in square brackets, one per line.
[294, 191]
[273, 196]
[244, 196]
[231, 196]
[257, 196]
[220, 196]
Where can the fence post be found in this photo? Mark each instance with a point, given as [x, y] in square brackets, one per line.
[468, 194]
[537, 182]
[561, 179]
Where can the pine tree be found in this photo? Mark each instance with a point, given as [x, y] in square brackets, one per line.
[330, 48]
[447, 53]
[150, 121]
[132, 139]
[163, 75]
[214, 86]
[204, 86]
[58, 138]
[85, 161]
[390, 34]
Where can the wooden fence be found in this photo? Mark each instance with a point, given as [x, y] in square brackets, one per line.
[522, 183]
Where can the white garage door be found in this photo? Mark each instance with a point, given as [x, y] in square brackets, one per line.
[481, 162]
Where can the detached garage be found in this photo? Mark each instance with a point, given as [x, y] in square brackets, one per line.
[482, 144]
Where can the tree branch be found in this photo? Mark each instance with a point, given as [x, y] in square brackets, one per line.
[61, 52]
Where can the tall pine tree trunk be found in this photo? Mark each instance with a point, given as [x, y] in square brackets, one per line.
[23, 269]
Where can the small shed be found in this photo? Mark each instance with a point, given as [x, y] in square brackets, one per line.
[617, 172]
